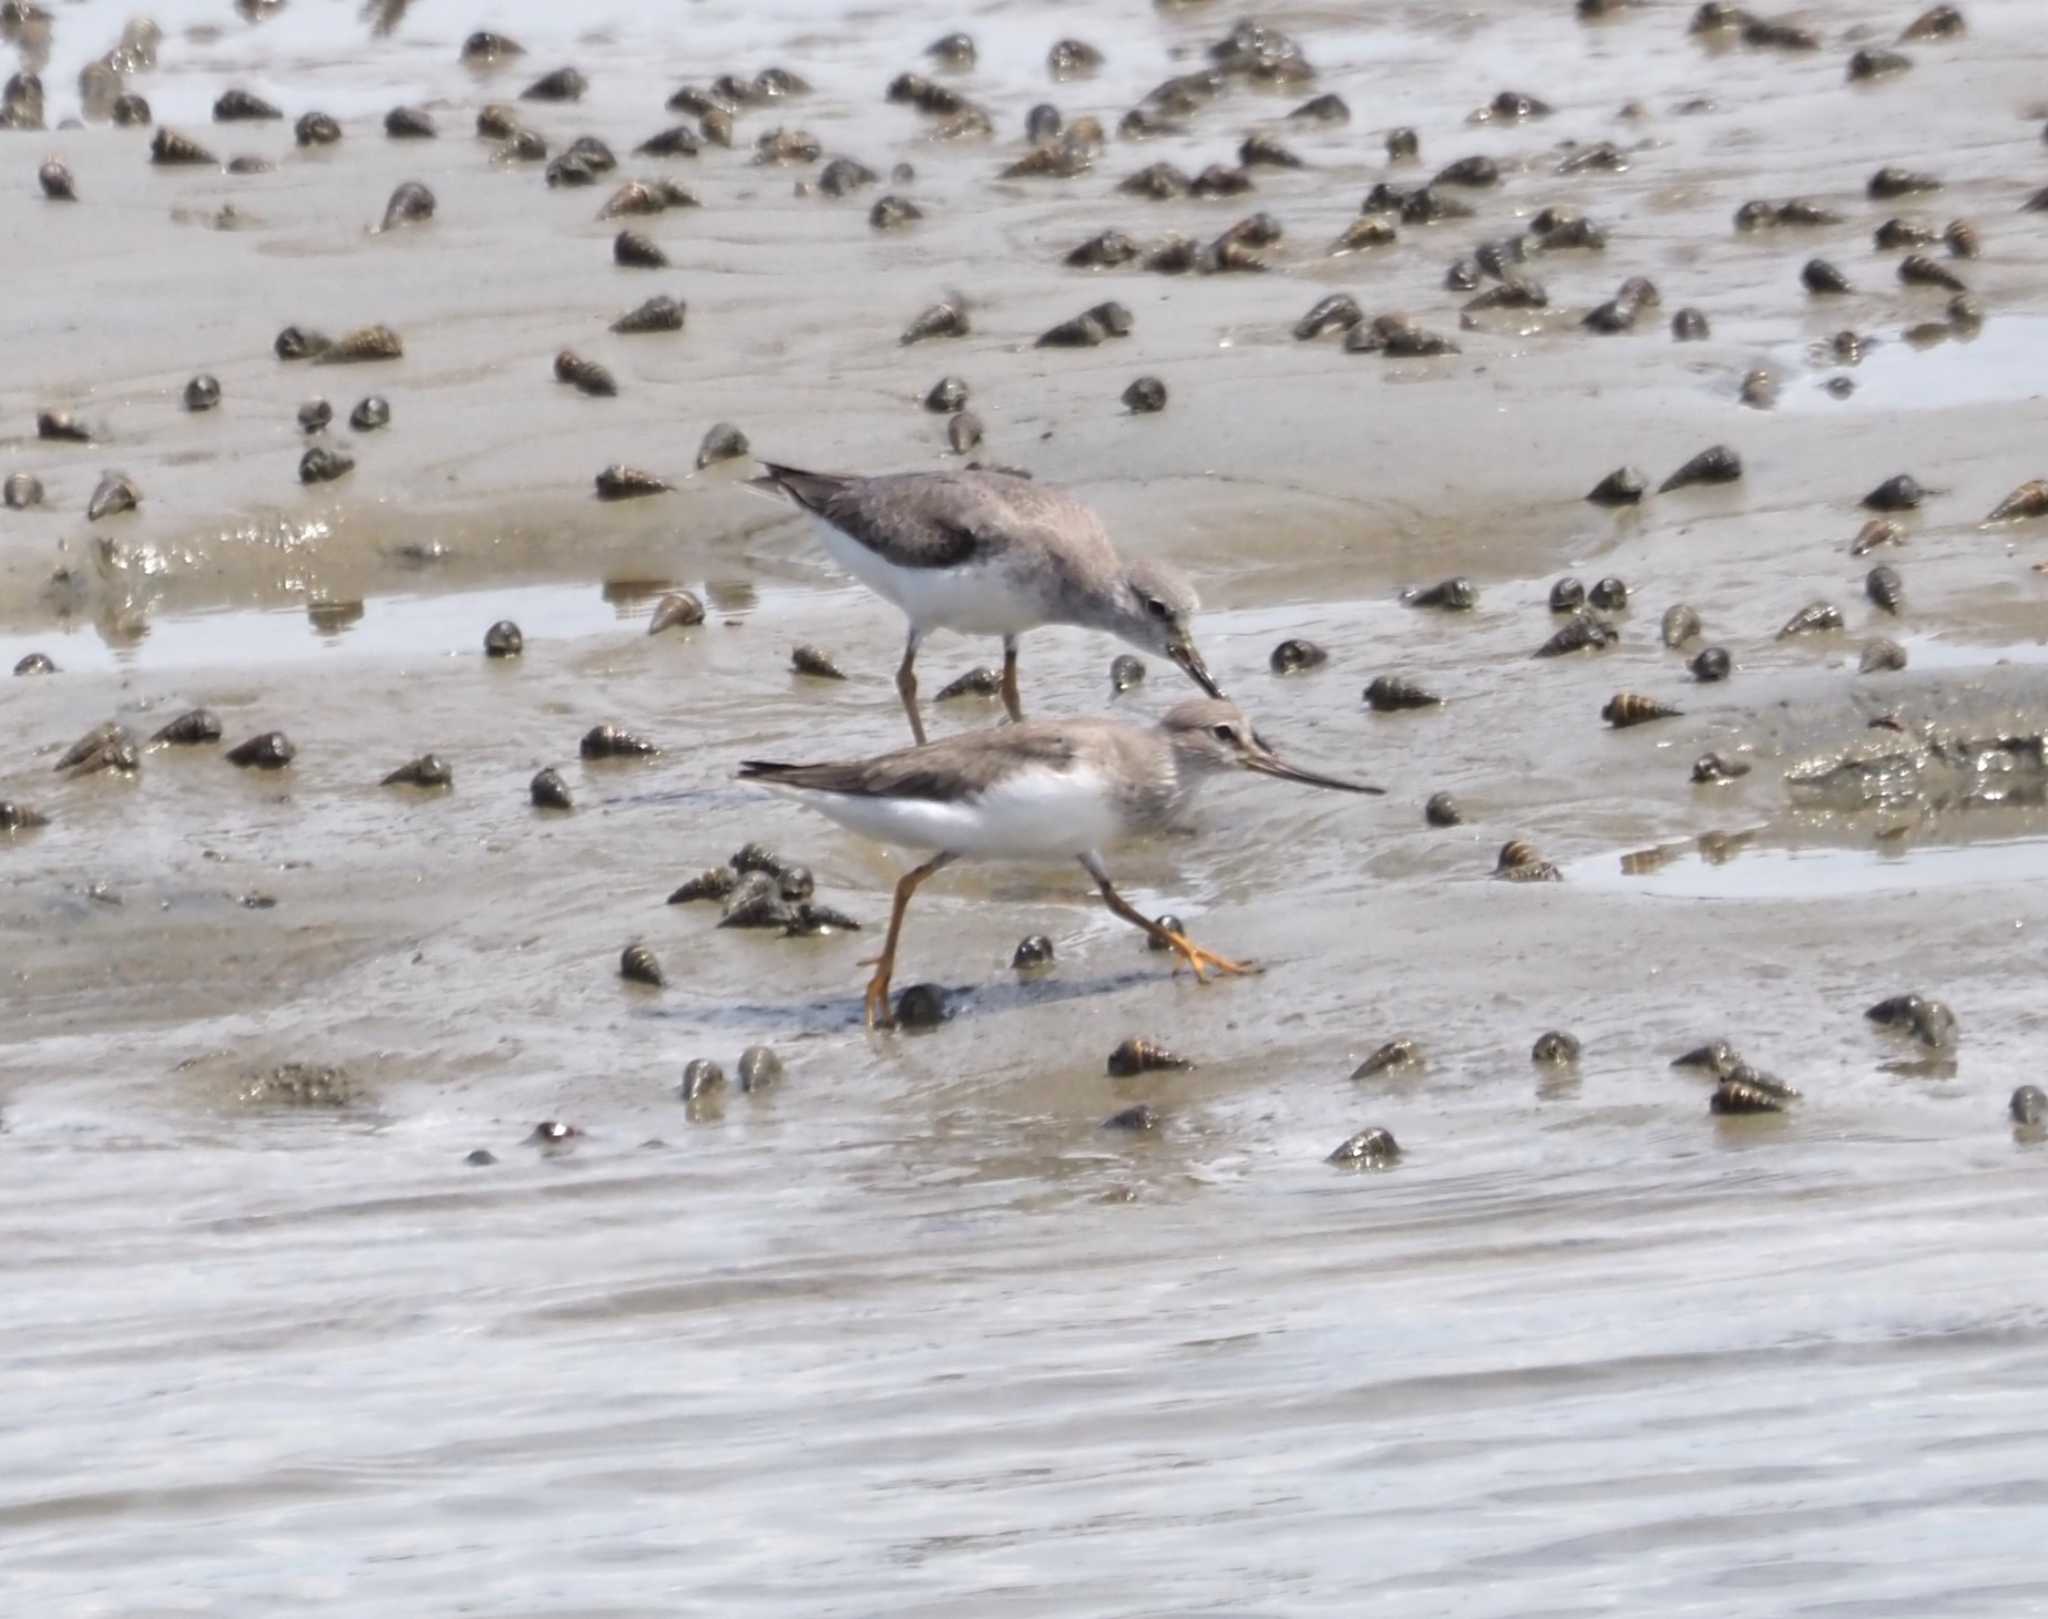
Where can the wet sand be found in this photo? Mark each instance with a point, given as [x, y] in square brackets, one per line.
[912, 1330]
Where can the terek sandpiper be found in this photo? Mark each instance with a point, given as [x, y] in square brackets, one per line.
[1043, 790]
[990, 553]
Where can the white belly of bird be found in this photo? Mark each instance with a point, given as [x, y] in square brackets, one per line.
[1035, 814]
[973, 600]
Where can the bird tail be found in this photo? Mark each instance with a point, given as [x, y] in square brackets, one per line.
[764, 769]
[810, 490]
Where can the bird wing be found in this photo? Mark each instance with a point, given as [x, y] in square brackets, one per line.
[913, 519]
[953, 769]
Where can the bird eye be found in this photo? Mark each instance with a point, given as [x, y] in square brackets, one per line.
[1157, 608]
[1223, 733]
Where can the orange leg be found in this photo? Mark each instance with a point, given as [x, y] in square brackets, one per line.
[879, 1015]
[1179, 943]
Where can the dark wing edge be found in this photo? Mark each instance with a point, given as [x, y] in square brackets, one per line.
[813, 491]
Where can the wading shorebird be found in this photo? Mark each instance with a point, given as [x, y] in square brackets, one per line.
[990, 553]
[1040, 790]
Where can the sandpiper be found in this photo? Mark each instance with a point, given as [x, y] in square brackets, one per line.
[1043, 790]
[990, 553]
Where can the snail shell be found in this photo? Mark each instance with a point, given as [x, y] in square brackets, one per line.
[170, 149]
[1371, 1148]
[1293, 656]
[322, 464]
[1401, 1053]
[677, 608]
[1136, 1056]
[1884, 587]
[1881, 656]
[1144, 396]
[365, 343]
[270, 750]
[1718, 1056]
[194, 726]
[1917, 270]
[1458, 595]
[1714, 767]
[721, 443]
[1681, 623]
[1441, 809]
[428, 770]
[1554, 1047]
[1582, 632]
[504, 639]
[940, 320]
[658, 314]
[1389, 693]
[586, 376]
[631, 250]
[2030, 499]
[549, 791]
[1716, 464]
[1812, 619]
[1823, 278]
[809, 660]
[1031, 952]
[1883, 531]
[1628, 708]
[1622, 487]
[621, 482]
[614, 742]
[638, 965]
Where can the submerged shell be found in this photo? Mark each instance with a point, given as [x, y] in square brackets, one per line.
[202, 393]
[194, 726]
[1892, 181]
[504, 640]
[21, 491]
[1622, 487]
[1137, 1056]
[614, 742]
[56, 181]
[678, 608]
[1812, 619]
[660, 313]
[110, 746]
[1581, 632]
[894, 213]
[1714, 767]
[638, 965]
[564, 84]
[300, 343]
[410, 124]
[1401, 1053]
[1917, 270]
[1681, 624]
[948, 319]
[271, 750]
[621, 482]
[716, 883]
[411, 203]
[1610, 594]
[1441, 809]
[323, 464]
[549, 791]
[1716, 464]
[115, 492]
[1032, 952]
[963, 432]
[60, 426]
[1711, 664]
[1293, 656]
[1371, 1148]
[1144, 396]
[982, 682]
[721, 442]
[16, 817]
[1337, 311]
[1125, 671]
[1390, 693]
[1456, 595]
[1554, 1047]
[809, 660]
[428, 770]
[586, 376]
[1819, 276]
[1884, 587]
[1748, 1090]
[372, 411]
[634, 251]
[170, 149]
[1881, 656]
[1878, 531]
[701, 1078]
[365, 343]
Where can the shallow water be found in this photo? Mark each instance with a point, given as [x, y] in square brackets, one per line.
[912, 1331]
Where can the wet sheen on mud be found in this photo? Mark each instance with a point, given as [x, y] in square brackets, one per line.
[910, 1331]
